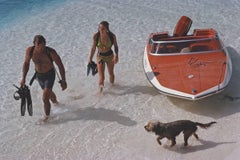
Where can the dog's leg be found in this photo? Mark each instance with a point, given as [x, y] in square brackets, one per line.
[186, 136]
[173, 139]
[195, 135]
[158, 140]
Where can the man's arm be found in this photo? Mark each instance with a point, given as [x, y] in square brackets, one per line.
[56, 58]
[25, 67]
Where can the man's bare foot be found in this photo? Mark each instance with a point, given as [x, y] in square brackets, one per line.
[43, 120]
[56, 103]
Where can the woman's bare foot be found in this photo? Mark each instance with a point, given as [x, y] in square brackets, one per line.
[100, 88]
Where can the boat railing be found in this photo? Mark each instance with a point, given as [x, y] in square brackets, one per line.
[206, 44]
[181, 40]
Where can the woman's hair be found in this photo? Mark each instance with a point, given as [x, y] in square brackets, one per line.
[105, 24]
[39, 39]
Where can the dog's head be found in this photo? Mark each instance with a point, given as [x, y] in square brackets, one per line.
[151, 126]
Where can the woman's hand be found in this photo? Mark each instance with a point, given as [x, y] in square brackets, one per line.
[115, 59]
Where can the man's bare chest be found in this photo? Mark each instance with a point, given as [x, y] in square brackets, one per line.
[40, 58]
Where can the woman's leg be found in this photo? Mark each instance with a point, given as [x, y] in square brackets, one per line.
[110, 66]
[101, 68]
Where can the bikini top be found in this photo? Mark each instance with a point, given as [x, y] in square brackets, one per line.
[100, 45]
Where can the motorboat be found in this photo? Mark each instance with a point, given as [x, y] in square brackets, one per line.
[189, 66]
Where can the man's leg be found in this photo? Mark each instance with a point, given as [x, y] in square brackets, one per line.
[46, 97]
[53, 98]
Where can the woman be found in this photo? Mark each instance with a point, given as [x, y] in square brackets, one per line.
[103, 40]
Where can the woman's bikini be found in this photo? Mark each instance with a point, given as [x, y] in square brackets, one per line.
[105, 56]
[102, 46]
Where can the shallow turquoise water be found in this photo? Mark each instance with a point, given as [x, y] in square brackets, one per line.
[12, 11]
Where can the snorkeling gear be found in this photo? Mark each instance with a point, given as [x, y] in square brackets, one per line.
[24, 94]
[92, 66]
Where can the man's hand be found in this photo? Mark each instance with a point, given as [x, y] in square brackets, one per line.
[63, 84]
[22, 83]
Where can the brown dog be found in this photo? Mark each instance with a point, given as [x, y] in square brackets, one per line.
[172, 129]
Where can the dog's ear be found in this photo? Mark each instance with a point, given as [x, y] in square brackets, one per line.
[159, 128]
[155, 126]
[159, 124]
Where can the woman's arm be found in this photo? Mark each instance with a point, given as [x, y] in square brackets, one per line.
[94, 45]
[115, 49]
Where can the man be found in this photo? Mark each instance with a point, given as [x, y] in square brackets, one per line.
[43, 57]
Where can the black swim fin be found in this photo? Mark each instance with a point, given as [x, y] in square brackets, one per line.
[29, 100]
[88, 68]
[23, 93]
[23, 106]
[92, 66]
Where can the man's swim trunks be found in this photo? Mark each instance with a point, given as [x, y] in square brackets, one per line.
[46, 80]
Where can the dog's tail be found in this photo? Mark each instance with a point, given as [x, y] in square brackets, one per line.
[206, 125]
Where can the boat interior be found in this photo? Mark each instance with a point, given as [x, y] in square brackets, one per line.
[202, 40]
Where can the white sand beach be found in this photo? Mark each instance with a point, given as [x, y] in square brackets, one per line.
[111, 127]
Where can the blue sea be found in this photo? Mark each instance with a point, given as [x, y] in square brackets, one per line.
[12, 11]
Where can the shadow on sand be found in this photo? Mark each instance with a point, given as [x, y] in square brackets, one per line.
[91, 113]
[120, 90]
[222, 104]
[190, 149]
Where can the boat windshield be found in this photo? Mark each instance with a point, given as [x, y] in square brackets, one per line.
[185, 45]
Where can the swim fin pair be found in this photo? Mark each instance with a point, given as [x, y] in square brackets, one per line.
[24, 94]
[92, 66]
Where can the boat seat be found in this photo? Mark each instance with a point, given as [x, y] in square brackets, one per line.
[204, 32]
[164, 49]
[182, 27]
[160, 35]
[171, 49]
[185, 50]
[197, 47]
